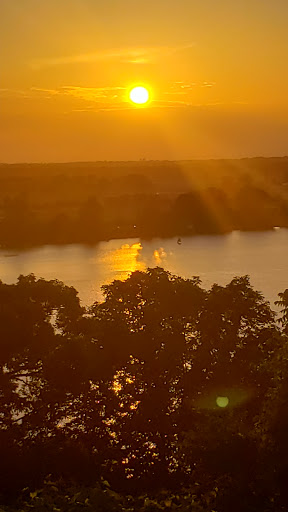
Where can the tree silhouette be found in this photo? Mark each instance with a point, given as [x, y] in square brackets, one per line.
[130, 384]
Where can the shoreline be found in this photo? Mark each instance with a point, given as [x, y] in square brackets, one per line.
[23, 247]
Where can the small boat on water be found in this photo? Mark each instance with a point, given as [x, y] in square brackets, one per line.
[179, 241]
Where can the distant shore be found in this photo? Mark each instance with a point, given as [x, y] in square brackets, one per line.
[179, 238]
[87, 203]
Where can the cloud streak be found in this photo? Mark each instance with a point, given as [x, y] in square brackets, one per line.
[124, 55]
[104, 96]
[184, 88]
[110, 98]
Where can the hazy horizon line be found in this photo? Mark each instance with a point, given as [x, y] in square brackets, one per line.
[147, 160]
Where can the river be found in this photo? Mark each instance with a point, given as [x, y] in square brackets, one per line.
[216, 259]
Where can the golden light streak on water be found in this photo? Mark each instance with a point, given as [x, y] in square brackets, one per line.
[125, 260]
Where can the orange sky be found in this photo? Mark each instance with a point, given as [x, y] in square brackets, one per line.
[217, 71]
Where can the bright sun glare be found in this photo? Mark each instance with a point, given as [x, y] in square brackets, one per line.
[139, 95]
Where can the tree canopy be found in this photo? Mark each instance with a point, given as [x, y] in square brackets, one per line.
[132, 387]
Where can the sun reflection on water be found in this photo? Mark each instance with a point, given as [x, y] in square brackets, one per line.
[159, 255]
[125, 260]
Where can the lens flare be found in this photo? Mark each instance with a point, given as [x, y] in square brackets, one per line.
[222, 401]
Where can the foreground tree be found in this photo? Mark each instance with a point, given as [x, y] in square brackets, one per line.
[132, 387]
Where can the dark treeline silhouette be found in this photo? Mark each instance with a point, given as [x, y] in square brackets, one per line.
[88, 202]
[130, 390]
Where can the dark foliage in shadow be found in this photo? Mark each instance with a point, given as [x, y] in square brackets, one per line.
[161, 385]
[85, 203]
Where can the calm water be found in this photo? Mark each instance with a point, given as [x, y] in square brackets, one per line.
[217, 259]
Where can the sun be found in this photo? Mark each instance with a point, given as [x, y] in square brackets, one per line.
[139, 95]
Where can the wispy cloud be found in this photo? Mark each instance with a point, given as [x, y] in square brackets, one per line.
[15, 93]
[184, 88]
[104, 96]
[52, 92]
[110, 98]
[98, 99]
[93, 93]
[207, 84]
[125, 55]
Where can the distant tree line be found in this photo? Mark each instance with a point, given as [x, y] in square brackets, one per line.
[207, 211]
[131, 388]
[92, 201]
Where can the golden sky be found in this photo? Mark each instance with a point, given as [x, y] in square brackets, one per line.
[217, 71]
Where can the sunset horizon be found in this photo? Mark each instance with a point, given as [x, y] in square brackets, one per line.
[143, 255]
[144, 160]
[216, 79]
